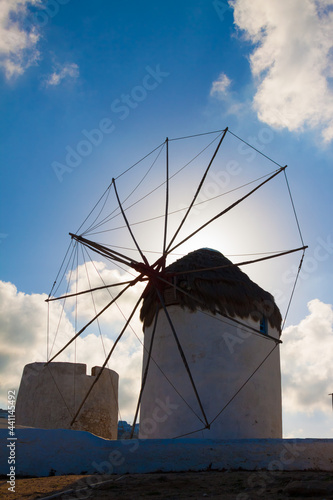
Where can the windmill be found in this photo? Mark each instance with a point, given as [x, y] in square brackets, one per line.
[177, 226]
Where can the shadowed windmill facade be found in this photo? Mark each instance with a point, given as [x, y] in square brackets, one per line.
[221, 378]
[48, 398]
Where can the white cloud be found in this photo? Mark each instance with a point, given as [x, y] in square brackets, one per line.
[23, 327]
[306, 361]
[292, 61]
[18, 46]
[19, 38]
[220, 86]
[67, 71]
[220, 90]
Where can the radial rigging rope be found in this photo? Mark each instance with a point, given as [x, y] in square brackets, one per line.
[63, 306]
[255, 149]
[182, 209]
[302, 258]
[162, 184]
[83, 248]
[62, 265]
[294, 210]
[200, 270]
[233, 397]
[110, 186]
[197, 135]
[101, 210]
[244, 384]
[293, 289]
[109, 217]
[130, 168]
[63, 261]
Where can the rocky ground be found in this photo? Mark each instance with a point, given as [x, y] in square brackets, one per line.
[228, 485]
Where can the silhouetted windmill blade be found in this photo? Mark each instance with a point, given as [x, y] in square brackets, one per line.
[226, 210]
[93, 319]
[144, 377]
[104, 251]
[196, 193]
[166, 214]
[183, 356]
[107, 359]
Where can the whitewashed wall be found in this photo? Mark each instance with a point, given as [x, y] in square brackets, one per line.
[44, 452]
[221, 356]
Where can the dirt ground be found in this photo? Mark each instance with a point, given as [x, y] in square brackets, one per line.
[228, 485]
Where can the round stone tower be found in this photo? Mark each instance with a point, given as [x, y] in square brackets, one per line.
[214, 370]
[49, 396]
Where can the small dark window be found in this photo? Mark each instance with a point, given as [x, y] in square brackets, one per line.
[263, 325]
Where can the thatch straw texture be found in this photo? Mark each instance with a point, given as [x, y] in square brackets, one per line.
[227, 290]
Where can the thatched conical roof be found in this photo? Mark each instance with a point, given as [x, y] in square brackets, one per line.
[226, 290]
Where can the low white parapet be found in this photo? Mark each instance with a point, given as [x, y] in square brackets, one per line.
[39, 452]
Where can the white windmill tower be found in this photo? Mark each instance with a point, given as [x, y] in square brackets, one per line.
[213, 354]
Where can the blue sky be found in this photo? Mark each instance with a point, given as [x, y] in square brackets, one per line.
[124, 76]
